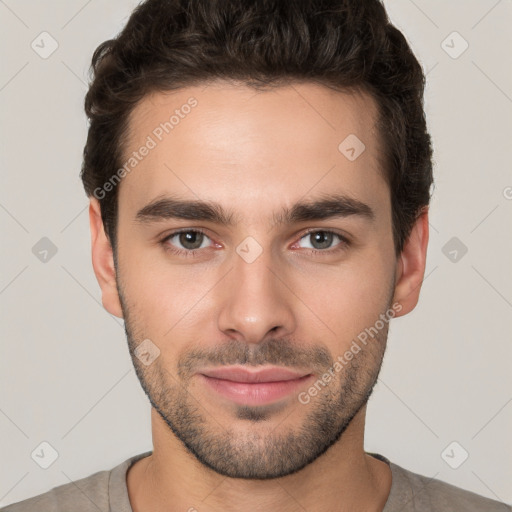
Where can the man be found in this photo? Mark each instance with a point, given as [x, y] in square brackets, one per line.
[259, 176]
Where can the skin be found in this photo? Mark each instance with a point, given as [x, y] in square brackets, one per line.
[254, 153]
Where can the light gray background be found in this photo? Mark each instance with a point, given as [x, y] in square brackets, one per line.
[66, 377]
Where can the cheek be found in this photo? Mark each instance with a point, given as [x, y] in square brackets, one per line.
[175, 299]
[169, 298]
[350, 298]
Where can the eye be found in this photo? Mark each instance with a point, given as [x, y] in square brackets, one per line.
[322, 241]
[190, 239]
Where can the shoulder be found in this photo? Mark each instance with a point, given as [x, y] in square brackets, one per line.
[90, 493]
[416, 492]
[102, 491]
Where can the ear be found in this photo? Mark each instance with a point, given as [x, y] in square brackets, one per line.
[411, 265]
[103, 261]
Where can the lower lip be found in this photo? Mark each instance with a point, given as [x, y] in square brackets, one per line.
[256, 393]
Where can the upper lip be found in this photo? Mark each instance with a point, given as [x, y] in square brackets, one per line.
[238, 374]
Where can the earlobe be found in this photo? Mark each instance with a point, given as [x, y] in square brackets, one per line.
[103, 261]
[411, 266]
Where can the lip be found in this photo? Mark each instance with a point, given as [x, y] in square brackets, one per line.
[258, 387]
[238, 374]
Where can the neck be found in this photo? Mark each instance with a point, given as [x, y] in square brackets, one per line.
[343, 478]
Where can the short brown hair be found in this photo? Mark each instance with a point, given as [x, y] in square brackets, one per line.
[342, 44]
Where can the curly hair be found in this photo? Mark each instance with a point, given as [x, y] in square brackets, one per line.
[347, 45]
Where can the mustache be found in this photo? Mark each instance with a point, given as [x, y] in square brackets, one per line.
[278, 352]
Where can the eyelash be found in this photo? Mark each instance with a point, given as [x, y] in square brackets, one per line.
[193, 252]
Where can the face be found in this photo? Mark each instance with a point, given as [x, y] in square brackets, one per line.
[255, 279]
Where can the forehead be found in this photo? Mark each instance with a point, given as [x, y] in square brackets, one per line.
[252, 149]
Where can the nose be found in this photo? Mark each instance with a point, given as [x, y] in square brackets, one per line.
[256, 301]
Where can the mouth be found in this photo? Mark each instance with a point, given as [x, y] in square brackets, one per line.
[258, 387]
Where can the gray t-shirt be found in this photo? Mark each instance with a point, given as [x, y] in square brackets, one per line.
[106, 491]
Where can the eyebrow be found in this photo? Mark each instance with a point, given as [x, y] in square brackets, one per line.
[326, 207]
